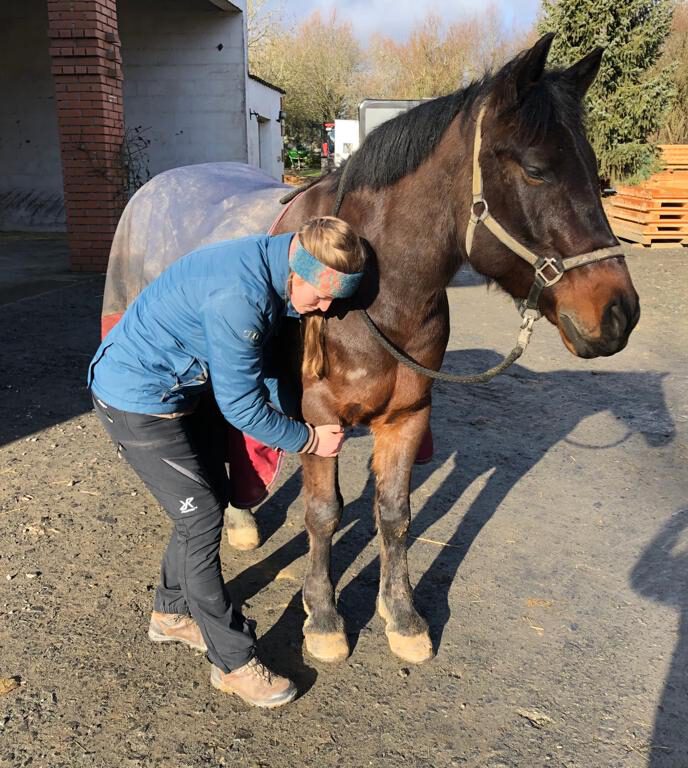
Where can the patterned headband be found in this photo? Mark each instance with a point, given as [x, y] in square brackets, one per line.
[330, 282]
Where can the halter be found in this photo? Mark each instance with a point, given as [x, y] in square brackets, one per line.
[548, 269]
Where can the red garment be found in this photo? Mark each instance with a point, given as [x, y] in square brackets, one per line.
[254, 468]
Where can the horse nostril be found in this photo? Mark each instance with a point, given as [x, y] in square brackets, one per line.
[617, 318]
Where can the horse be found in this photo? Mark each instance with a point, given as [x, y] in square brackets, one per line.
[409, 191]
[426, 191]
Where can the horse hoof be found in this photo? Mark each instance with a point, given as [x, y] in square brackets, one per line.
[329, 647]
[242, 530]
[412, 648]
[243, 538]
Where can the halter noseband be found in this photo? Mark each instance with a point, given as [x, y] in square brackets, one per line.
[548, 269]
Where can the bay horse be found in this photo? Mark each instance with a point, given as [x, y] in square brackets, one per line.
[418, 191]
[408, 193]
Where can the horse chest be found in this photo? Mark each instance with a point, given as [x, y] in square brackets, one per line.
[363, 395]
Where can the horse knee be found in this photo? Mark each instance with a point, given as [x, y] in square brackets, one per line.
[323, 516]
[394, 514]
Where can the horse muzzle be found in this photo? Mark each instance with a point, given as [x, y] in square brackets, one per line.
[619, 318]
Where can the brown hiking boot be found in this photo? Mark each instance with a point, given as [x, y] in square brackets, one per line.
[175, 627]
[255, 684]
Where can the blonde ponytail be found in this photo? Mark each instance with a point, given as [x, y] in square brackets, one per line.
[333, 242]
[314, 348]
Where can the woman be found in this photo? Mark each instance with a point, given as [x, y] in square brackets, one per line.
[202, 325]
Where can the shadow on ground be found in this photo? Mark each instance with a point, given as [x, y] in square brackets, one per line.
[48, 341]
[661, 574]
[544, 408]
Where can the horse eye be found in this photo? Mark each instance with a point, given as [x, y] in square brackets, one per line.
[534, 172]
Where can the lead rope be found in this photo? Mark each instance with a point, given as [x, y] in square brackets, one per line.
[470, 378]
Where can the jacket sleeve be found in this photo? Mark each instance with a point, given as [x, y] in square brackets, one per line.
[235, 330]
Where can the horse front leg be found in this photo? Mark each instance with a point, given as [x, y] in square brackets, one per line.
[324, 628]
[396, 445]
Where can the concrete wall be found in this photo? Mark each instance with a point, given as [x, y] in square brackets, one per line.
[30, 167]
[184, 80]
[264, 130]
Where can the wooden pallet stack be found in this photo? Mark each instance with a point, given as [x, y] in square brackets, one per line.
[654, 214]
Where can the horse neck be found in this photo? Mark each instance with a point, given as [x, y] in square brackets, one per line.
[412, 225]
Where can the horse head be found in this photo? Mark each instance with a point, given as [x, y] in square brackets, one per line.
[541, 183]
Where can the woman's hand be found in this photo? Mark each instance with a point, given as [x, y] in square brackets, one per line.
[325, 440]
[328, 440]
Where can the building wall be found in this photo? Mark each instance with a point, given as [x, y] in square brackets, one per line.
[30, 168]
[185, 64]
[264, 129]
[184, 80]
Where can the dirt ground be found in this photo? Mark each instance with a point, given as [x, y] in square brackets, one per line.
[549, 549]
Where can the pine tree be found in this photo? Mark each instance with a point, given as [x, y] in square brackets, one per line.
[629, 101]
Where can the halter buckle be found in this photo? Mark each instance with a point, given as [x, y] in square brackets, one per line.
[548, 263]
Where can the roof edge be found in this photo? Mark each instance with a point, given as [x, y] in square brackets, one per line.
[265, 82]
[227, 5]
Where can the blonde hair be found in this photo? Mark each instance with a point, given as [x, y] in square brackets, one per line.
[334, 243]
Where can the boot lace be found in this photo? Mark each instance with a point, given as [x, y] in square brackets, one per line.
[258, 668]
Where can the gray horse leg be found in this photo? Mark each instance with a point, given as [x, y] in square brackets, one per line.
[324, 628]
[396, 445]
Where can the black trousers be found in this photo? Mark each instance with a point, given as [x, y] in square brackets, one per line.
[181, 461]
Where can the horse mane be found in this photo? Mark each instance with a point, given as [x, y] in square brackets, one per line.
[399, 146]
[553, 100]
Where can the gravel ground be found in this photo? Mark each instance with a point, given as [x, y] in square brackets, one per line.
[549, 548]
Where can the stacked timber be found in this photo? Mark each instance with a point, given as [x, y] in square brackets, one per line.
[655, 213]
[674, 157]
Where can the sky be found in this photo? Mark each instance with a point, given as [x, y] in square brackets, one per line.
[396, 18]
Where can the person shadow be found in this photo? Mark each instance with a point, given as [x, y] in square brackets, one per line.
[661, 574]
[524, 413]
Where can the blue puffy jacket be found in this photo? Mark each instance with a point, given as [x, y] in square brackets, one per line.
[205, 319]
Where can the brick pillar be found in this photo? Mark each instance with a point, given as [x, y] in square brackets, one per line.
[87, 72]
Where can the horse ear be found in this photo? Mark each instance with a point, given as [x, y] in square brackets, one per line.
[531, 64]
[583, 73]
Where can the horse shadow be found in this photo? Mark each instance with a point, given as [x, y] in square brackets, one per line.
[544, 408]
[661, 574]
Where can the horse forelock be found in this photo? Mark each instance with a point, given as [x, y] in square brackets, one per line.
[550, 103]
